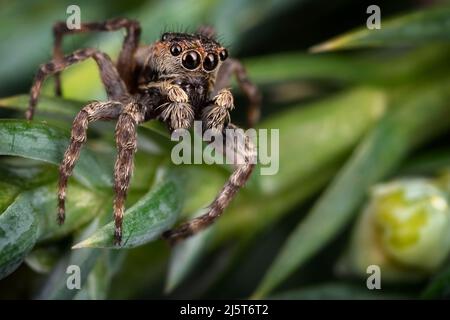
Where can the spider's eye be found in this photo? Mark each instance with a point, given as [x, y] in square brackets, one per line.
[165, 37]
[175, 49]
[223, 54]
[191, 60]
[210, 62]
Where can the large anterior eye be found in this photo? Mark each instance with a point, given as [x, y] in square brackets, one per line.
[191, 60]
[175, 49]
[210, 62]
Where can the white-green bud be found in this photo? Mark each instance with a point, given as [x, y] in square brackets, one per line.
[404, 229]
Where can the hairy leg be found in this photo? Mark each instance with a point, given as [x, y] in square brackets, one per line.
[92, 112]
[126, 140]
[124, 63]
[230, 67]
[207, 31]
[114, 85]
[240, 148]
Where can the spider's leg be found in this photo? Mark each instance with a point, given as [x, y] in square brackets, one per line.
[226, 71]
[207, 31]
[115, 87]
[130, 44]
[241, 148]
[92, 112]
[126, 140]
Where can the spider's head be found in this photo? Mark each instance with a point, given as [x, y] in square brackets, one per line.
[188, 54]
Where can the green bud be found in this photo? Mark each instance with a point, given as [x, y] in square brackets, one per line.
[404, 229]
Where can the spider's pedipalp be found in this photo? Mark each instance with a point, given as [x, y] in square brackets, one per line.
[177, 113]
[92, 112]
[114, 85]
[226, 71]
[217, 115]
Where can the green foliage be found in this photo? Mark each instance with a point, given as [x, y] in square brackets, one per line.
[413, 29]
[154, 213]
[346, 119]
[42, 142]
[374, 159]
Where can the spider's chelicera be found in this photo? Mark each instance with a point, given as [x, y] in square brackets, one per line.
[178, 79]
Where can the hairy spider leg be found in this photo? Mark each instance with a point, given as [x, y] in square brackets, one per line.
[126, 140]
[114, 86]
[125, 62]
[92, 112]
[242, 146]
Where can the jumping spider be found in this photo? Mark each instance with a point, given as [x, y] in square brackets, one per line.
[178, 79]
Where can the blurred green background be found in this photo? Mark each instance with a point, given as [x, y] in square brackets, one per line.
[367, 107]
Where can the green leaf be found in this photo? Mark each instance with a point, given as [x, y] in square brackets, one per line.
[18, 232]
[67, 107]
[55, 287]
[91, 262]
[421, 27]
[82, 205]
[153, 214]
[184, 257]
[40, 141]
[425, 111]
[46, 104]
[392, 69]
[8, 192]
[322, 133]
[99, 279]
[25, 174]
[32, 217]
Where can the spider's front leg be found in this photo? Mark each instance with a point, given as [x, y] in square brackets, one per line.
[126, 139]
[92, 112]
[241, 149]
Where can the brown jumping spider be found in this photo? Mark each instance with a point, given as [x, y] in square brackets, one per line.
[178, 79]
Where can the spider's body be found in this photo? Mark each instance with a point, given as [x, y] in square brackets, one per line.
[178, 79]
[189, 61]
